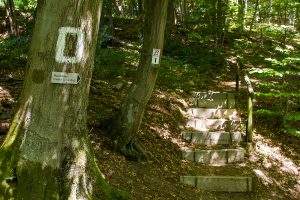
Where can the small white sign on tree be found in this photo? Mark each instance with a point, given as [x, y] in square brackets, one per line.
[155, 56]
[65, 78]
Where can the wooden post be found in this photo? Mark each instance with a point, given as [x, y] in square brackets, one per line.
[250, 120]
[237, 76]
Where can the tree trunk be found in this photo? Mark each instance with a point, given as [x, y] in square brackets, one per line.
[125, 127]
[285, 23]
[170, 19]
[297, 18]
[140, 7]
[47, 153]
[254, 15]
[111, 20]
[241, 15]
[11, 16]
[183, 13]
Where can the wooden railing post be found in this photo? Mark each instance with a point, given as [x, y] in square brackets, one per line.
[237, 76]
[249, 130]
[250, 94]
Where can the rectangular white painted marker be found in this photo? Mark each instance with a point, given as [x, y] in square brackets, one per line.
[65, 78]
[155, 56]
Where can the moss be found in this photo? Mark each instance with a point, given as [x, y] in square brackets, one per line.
[35, 181]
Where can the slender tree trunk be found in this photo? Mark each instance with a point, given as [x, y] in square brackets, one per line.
[261, 20]
[116, 8]
[47, 153]
[215, 23]
[270, 12]
[254, 15]
[183, 12]
[125, 127]
[285, 23]
[110, 16]
[140, 7]
[11, 16]
[170, 19]
[297, 19]
[241, 15]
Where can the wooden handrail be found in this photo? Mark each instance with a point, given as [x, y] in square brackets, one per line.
[250, 92]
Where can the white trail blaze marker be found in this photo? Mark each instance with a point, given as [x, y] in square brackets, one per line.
[65, 78]
[61, 44]
[155, 56]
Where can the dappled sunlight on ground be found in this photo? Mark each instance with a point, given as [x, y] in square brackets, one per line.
[274, 168]
[5, 95]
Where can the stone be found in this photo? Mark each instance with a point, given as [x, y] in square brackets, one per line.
[235, 155]
[225, 183]
[212, 138]
[207, 124]
[214, 100]
[188, 155]
[211, 156]
[212, 113]
[188, 180]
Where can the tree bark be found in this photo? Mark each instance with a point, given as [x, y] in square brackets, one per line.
[140, 7]
[11, 16]
[241, 15]
[170, 19]
[254, 15]
[125, 127]
[47, 153]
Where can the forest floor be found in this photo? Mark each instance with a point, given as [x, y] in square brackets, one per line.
[275, 165]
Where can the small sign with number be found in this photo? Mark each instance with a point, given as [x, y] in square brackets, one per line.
[155, 56]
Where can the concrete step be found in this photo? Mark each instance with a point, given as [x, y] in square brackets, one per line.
[215, 157]
[213, 100]
[212, 113]
[213, 124]
[212, 138]
[219, 183]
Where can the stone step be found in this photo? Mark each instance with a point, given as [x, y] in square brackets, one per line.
[212, 138]
[213, 100]
[219, 183]
[212, 113]
[213, 124]
[215, 157]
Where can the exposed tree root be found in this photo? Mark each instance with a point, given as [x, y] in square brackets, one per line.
[133, 150]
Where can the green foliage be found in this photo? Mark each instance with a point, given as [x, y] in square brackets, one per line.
[176, 75]
[281, 94]
[265, 112]
[119, 195]
[266, 72]
[13, 52]
[293, 132]
[289, 120]
[292, 117]
[25, 4]
[273, 85]
[1, 3]
[286, 63]
[113, 63]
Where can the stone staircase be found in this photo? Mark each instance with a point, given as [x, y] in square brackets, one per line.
[213, 132]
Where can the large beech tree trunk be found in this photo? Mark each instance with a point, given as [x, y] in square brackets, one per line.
[125, 127]
[47, 153]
